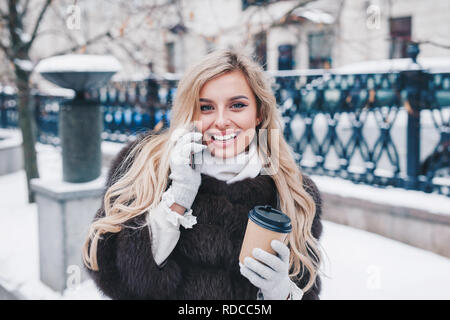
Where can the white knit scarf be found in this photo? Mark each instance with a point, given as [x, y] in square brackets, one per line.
[243, 165]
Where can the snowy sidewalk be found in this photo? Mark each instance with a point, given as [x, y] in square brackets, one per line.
[358, 264]
[364, 265]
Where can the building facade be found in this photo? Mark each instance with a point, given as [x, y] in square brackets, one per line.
[321, 34]
[166, 36]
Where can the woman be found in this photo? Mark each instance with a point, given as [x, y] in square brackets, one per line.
[136, 248]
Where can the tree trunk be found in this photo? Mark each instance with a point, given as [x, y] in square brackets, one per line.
[27, 126]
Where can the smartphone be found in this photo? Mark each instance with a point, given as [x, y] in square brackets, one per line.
[191, 163]
[192, 158]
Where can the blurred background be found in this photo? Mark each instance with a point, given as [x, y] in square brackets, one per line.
[363, 87]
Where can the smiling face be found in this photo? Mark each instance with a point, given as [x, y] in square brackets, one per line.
[227, 115]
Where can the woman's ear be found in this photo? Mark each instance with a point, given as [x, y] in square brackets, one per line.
[258, 123]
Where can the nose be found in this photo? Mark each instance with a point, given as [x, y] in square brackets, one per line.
[222, 120]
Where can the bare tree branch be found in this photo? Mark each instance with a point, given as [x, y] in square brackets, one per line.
[6, 50]
[108, 34]
[3, 15]
[131, 54]
[38, 22]
[25, 9]
[14, 27]
[55, 32]
[74, 48]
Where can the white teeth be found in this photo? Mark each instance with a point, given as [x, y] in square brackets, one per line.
[226, 137]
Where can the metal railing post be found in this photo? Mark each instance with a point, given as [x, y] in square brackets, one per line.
[413, 85]
[3, 119]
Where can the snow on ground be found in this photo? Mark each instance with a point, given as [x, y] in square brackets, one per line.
[19, 262]
[435, 203]
[357, 265]
[364, 265]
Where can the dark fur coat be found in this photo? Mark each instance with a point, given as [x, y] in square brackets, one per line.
[204, 263]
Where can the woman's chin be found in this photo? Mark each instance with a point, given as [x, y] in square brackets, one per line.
[223, 153]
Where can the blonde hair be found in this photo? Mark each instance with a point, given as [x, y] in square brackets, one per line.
[147, 165]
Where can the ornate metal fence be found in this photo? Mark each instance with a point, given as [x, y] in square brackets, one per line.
[46, 113]
[9, 116]
[379, 128]
[135, 106]
[368, 128]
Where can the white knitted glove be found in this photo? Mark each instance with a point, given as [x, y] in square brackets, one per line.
[271, 273]
[185, 180]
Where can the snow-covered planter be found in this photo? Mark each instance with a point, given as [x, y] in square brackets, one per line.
[79, 72]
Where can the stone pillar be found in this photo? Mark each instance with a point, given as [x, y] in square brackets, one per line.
[65, 212]
[80, 128]
[67, 206]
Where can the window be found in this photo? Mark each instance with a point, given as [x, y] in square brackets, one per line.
[319, 45]
[170, 57]
[260, 41]
[400, 30]
[286, 57]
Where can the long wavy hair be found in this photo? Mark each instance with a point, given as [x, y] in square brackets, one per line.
[145, 179]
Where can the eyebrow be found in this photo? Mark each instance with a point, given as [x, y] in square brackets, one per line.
[231, 99]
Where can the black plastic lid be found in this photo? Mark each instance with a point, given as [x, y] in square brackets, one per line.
[270, 218]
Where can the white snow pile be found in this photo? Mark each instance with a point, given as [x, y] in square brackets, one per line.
[79, 63]
[25, 65]
[9, 138]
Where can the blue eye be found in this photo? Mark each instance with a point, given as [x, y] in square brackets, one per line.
[239, 105]
[205, 106]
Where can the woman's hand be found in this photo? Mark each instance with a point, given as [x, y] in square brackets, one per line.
[185, 180]
[271, 273]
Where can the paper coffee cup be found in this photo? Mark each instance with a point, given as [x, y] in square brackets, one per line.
[264, 225]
